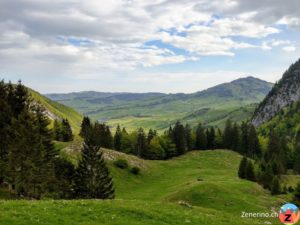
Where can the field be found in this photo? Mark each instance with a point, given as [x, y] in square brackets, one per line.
[200, 187]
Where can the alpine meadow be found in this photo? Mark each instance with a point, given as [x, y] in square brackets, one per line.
[136, 112]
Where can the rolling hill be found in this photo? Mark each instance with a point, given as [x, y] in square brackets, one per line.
[235, 100]
[58, 110]
[200, 187]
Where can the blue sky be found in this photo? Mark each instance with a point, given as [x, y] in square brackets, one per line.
[142, 46]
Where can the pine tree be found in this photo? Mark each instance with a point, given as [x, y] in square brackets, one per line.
[141, 143]
[275, 187]
[253, 148]
[228, 135]
[297, 153]
[244, 138]
[188, 137]
[5, 122]
[236, 141]
[250, 174]
[266, 176]
[86, 127]
[201, 141]
[210, 133]
[243, 168]
[67, 134]
[179, 138]
[155, 150]
[92, 179]
[151, 135]
[118, 139]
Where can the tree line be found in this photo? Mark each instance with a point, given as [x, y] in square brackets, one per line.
[31, 166]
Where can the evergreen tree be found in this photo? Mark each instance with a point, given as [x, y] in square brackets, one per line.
[297, 153]
[243, 168]
[250, 174]
[244, 138]
[5, 122]
[266, 176]
[211, 138]
[228, 137]
[236, 141]
[86, 127]
[179, 138]
[66, 131]
[92, 179]
[188, 137]
[151, 135]
[118, 139]
[141, 143]
[201, 141]
[275, 187]
[253, 148]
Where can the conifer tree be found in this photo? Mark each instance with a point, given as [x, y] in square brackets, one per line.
[275, 187]
[228, 137]
[179, 138]
[253, 148]
[141, 143]
[250, 174]
[211, 135]
[66, 131]
[86, 127]
[118, 139]
[92, 179]
[188, 137]
[151, 135]
[201, 141]
[243, 168]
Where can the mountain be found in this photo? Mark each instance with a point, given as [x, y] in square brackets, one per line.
[284, 93]
[236, 100]
[57, 110]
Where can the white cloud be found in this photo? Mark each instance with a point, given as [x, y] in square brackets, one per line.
[289, 48]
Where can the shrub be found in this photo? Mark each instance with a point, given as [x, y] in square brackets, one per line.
[135, 170]
[121, 163]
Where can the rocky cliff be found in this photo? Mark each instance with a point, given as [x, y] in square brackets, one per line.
[284, 93]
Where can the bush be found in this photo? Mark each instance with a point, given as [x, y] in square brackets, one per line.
[121, 163]
[135, 170]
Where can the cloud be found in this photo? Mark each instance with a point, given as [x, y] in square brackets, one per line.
[289, 48]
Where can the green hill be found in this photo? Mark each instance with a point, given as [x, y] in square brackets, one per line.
[58, 110]
[200, 187]
[235, 100]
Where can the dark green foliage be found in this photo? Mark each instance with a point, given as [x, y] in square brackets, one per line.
[253, 148]
[103, 135]
[250, 174]
[86, 127]
[118, 139]
[141, 144]
[92, 179]
[135, 170]
[296, 163]
[275, 188]
[201, 141]
[242, 173]
[266, 176]
[29, 152]
[121, 163]
[65, 173]
[155, 149]
[62, 130]
[211, 135]
[179, 138]
[151, 135]
[188, 137]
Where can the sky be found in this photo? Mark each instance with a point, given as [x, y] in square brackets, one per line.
[169, 46]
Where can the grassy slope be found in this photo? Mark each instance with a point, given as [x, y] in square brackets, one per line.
[59, 110]
[212, 106]
[206, 180]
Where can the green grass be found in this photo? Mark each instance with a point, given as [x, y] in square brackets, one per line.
[59, 111]
[200, 187]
